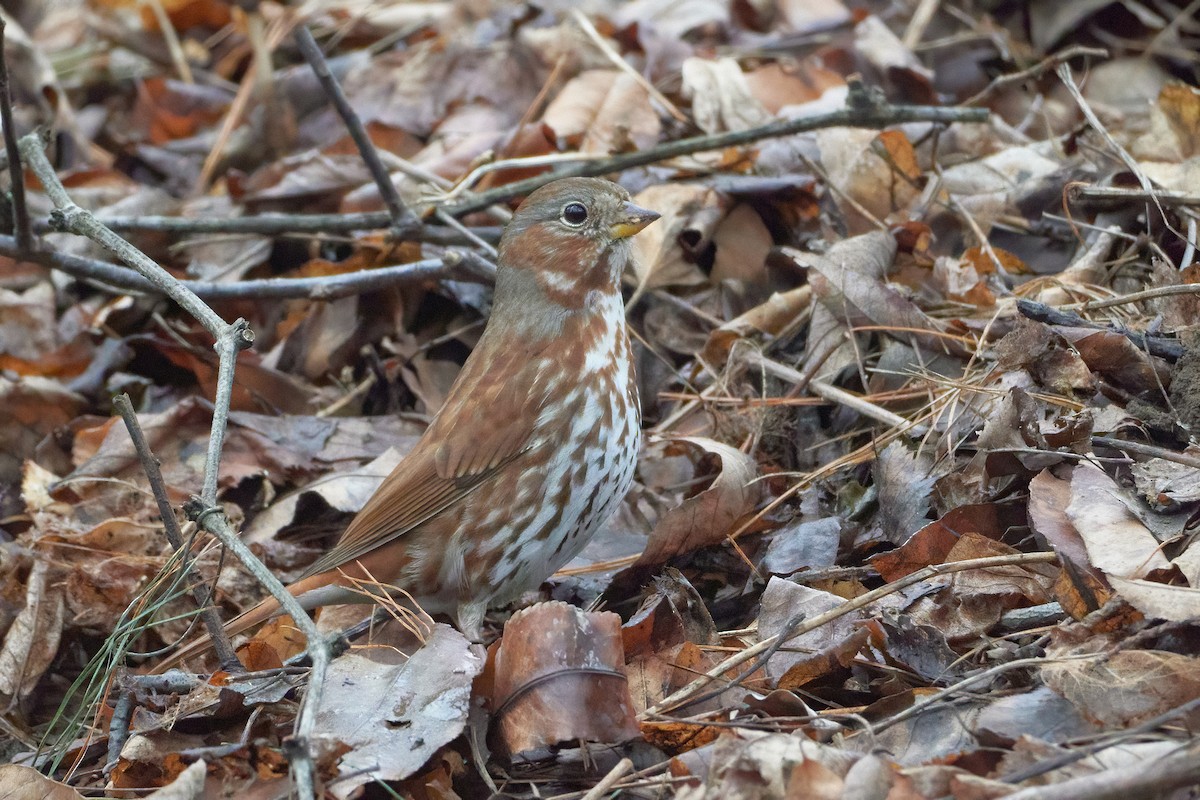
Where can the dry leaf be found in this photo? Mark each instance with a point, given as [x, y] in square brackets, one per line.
[558, 678]
[393, 718]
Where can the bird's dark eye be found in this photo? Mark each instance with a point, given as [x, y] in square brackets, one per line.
[574, 213]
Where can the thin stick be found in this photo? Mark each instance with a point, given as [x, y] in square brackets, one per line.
[965, 683]
[859, 113]
[230, 338]
[150, 465]
[1171, 349]
[1049, 62]
[451, 222]
[277, 224]
[622, 768]
[1116, 195]
[932, 571]
[171, 37]
[1064, 74]
[453, 264]
[919, 22]
[1136, 297]
[70, 217]
[1147, 450]
[1080, 753]
[402, 218]
[212, 519]
[20, 212]
[1143, 779]
[841, 397]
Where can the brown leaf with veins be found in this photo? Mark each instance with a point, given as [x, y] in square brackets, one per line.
[1117, 542]
[603, 111]
[559, 678]
[708, 517]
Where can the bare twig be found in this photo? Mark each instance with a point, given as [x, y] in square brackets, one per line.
[980, 677]
[1171, 349]
[171, 38]
[919, 22]
[211, 518]
[277, 224]
[70, 217]
[1132, 780]
[623, 767]
[1146, 450]
[863, 600]
[1080, 753]
[462, 265]
[859, 114]
[150, 464]
[230, 338]
[241, 100]
[21, 227]
[1045, 65]
[1064, 74]
[594, 36]
[1108, 196]
[833, 394]
[402, 218]
[1136, 297]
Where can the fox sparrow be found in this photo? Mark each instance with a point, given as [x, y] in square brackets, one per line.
[536, 443]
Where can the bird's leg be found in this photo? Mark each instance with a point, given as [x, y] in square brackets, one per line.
[469, 619]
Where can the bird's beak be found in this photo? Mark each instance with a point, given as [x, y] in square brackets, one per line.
[634, 218]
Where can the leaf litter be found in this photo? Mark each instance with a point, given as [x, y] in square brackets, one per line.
[917, 510]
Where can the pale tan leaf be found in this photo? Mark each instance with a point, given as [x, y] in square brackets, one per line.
[687, 209]
[393, 718]
[721, 97]
[19, 782]
[1158, 600]
[1117, 542]
[603, 111]
[32, 640]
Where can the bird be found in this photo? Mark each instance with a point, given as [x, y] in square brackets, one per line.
[535, 445]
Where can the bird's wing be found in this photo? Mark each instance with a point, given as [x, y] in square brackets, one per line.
[489, 420]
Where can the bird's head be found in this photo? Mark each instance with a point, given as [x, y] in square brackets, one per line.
[569, 241]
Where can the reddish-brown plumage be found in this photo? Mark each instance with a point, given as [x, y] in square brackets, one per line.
[536, 443]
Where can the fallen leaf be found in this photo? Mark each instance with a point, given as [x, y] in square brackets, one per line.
[393, 718]
[558, 678]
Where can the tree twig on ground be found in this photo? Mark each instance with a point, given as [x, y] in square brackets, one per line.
[863, 600]
[868, 114]
[460, 265]
[1111, 196]
[1037, 70]
[1080, 753]
[1135, 297]
[1147, 450]
[402, 218]
[943, 695]
[150, 465]
[1140, 779]
[282, 224]
[21, 227]
[212, 519]
[1163, 346]
[204, 510]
